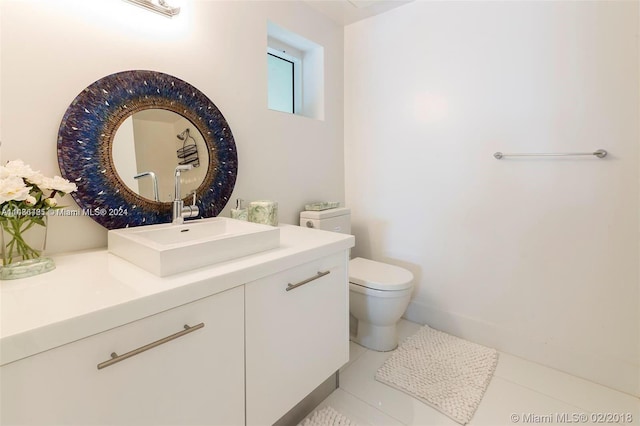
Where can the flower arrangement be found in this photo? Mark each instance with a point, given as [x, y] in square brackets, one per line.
[26, 196]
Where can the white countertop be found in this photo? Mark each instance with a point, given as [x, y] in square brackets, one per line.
[93, 291]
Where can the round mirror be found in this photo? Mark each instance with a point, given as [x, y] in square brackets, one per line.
[128, 131]
[148, 146]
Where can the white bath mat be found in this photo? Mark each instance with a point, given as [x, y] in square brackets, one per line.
[326, 416]
[443, 371]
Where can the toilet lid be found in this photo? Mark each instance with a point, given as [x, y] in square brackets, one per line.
[379, 276]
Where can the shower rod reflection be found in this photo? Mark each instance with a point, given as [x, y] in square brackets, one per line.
[601, 153]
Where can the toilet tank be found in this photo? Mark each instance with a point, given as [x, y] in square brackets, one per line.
[335, 220]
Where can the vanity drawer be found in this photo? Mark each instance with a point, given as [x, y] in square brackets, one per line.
[196, 377]
[296, 335]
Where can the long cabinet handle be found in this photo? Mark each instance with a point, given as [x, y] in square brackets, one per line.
[308, 280]
[115, 358]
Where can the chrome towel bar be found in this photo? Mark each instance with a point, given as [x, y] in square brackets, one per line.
[601, 153]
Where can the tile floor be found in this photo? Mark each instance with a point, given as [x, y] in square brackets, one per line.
[518, 388]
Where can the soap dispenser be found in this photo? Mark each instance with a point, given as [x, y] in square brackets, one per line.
[239, 212]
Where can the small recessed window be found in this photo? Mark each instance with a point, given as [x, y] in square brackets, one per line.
[281, 83]
[295, 73]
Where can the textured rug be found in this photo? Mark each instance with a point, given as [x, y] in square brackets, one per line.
[326, 416]
[443, 371]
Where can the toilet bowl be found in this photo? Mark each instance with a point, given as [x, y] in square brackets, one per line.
[379, 293]
[378, 297]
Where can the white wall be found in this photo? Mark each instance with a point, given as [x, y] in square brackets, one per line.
[53, 49]
[537, 257]
[124, 154]
[155, 151]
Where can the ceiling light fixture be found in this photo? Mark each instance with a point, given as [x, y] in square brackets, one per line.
[158, 6]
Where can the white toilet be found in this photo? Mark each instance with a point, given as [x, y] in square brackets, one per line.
[378, 293]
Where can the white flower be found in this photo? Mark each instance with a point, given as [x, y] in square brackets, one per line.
[13, 188]
[36, 178]
[19, 169]
[58, 183]
[51, 202]
[30, 200]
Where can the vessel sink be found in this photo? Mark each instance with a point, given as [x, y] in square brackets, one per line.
[168, 249]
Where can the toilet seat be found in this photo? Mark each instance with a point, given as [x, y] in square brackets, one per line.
[379, 276]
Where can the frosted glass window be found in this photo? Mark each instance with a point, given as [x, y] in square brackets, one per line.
[281, 84]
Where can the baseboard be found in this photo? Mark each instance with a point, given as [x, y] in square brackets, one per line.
[613, 373]
[309, 403]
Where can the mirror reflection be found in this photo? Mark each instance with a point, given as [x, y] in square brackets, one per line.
[149, 145]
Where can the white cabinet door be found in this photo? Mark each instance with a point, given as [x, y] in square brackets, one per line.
[294, 339]
[197, 378]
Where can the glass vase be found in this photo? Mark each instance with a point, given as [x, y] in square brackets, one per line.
[23, 240]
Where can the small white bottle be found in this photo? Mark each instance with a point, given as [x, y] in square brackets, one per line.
[239, 212]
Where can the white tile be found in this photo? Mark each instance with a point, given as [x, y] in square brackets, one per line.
[506, 403]
[355, 351]
[407, 328]
[575, 391]
[359, 381]
[356, 410]
[519, 387]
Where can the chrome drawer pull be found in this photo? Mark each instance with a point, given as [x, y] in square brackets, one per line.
[117, 358]
[308, 280]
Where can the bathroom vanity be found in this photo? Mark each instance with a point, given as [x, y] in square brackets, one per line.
[101, 341]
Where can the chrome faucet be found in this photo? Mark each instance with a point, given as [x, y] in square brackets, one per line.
[180, 212]
[155, 182]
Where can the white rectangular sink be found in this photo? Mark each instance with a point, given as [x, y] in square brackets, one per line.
[168, 249]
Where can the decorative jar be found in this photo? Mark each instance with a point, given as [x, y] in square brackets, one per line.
[23, 240]
[26, 199]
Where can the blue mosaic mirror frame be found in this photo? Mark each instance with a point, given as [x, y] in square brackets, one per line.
[85, 142]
